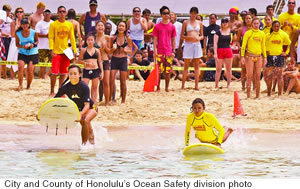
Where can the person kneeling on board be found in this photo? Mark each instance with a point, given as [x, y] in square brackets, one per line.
[204, 124]
[79, 92]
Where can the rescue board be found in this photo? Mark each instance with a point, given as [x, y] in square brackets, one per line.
[202, 149]
[59, 113]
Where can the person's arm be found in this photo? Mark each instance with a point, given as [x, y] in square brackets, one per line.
[12, 29]
[263, 48]
[244, 44]
[51, 36]
[107, 47]
[292, 46]
[216, 124]
[154, 48]
[100, 64]
[135, 48]
[112, 45]
[103, 18]
[81, 22]
[78, 35]
[80, 58]
[128, 48]
[201, 31]
[187, 131]
[143, 23]
[84, 110]
[128, 24]
[18, 43]
[61, 92]
[216, 40]
[173, 41]
[72, 38]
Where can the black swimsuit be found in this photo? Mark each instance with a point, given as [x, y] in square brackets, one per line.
[94, 73]
[119, 63]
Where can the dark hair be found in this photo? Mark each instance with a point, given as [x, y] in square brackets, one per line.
[146, 11]
[196, 101]
[213, 14]
[90, 35]
[194, 9]
[139, 52]
[117, 32]
[253, 11]
[20, 28]
[211, 49]
[74, 66]
[106, 23]
[161, 10]
[61, 6]
[71, 14]
[98, 21]
[136, 8]
[273, 23]
[269, 6]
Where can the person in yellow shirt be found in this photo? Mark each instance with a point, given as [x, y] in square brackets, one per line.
[204, 125]
[267, 24]
[289, 21]
[60, 32]
[254, 42]
[277, 42]
[270, 13]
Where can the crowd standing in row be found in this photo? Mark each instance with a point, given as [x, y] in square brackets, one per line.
[242, 40]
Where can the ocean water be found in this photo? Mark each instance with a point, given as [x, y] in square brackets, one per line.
[126, 6]
[144, 152]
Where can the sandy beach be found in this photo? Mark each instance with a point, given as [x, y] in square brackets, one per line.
[160, 108]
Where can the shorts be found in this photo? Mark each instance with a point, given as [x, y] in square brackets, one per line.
[192, 50]
[275, 61]
[224, 53]
[91, 74]
[139, 43]
[60, 64]
[164, 63]
[106, 65]
[45, 55]
[119, 63]
[27, 58]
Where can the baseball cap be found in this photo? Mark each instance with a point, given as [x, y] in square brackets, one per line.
[93, 2]
[47, 10]
[244, 12]
[24, 21]
[224, 20]
[233, 10]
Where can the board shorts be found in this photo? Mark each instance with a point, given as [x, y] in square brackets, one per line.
[60, 64]
[91, 74]
[119, 63]
[275, 61]
[28, 58]
[139, 43]
[45, 55]
[106, 65]
[224, 53]
[192, 50]
[164, 63]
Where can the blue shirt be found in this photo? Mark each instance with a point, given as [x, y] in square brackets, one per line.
[24, 40]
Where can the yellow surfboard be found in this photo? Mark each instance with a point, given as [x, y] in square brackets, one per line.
[202, 149]
[59, 113]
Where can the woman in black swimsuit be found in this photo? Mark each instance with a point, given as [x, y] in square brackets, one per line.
[121, 47]
[90, 57]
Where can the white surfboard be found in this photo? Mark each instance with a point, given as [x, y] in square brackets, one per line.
[202, 149]
[59, 113]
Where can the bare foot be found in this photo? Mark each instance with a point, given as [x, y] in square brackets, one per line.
[196, 88]
[167, 90]
[20, 88]
[51, 94]
[92, 138]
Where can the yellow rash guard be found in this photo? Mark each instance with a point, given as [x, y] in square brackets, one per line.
[267, 30]
[275, 41]
[292, 19]
[204, 126]
[255, 42]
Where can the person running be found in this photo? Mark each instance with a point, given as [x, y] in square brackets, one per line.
[60, 32]
[90, 57]
[205, 124]
[103, 44]
[26, 41]
[255, 42]
[79, 92]
[192, 51]
[38, 15]
[223, 51]
[121, 46]
[164, 43]
[88, 20]
[277, 42]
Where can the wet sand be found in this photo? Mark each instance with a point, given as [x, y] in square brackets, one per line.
[160, 108]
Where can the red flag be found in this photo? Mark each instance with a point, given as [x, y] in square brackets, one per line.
[152, 80]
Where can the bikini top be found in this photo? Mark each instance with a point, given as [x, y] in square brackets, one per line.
[191, 28]
[86, 55]
[123, 45]
[96, 45]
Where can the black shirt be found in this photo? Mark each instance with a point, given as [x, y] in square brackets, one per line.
[224, 40]
[79, 93]
[210, 31]
[143, 63]
[210, 75]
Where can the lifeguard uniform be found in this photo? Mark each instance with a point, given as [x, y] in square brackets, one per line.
[204, 126]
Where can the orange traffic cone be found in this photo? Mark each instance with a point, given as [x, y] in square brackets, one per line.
[238, 109]
[152, 80]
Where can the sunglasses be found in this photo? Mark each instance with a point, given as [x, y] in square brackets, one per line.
[224, 21]
[62, 11]
[136, 11]
[19, 12]
[291, 3]
[165, 13]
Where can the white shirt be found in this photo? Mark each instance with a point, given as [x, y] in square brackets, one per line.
[178, 27]
[5, 27]
[2, 16]
[42, 27]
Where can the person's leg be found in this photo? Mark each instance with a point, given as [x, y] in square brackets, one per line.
[88, 133]
[42, 73]
[269, 72]
[94, 89]
[112, 83]
[291, 85]
[86, 80]
[243, 76]
[12, 73]
[62, 78]
[3, 71]
[106, 86]
[21, 64]
[30, 71]
[279, 78]
[185, 71]
[167, 80]
[219, 63]
[257, 68]
[100, 90]
[196, 70]
[123, 78]
[228, 66]
[249, 74]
